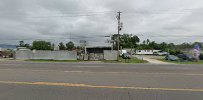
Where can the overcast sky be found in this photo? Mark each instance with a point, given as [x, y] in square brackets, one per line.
[60, 20]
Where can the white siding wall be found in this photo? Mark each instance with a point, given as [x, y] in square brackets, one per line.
[46, 55]
[144, 52]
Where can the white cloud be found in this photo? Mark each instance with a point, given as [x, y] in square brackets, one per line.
[44, 19]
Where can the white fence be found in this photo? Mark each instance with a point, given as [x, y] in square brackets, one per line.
[46, 55]
[110, 55]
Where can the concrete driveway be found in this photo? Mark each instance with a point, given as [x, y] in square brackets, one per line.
[151, 59]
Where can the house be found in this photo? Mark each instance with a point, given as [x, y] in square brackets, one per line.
[22, 49]
[146, 52]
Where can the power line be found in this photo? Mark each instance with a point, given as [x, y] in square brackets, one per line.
[174, 36]
[56, 38]
[88, 14]
[168, 12]
[74, 36]
[62, 15]
[169, 35]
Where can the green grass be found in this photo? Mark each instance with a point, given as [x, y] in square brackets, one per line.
[132, 60]
[186, 62]
[53, 60]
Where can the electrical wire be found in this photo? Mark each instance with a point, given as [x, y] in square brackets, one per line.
[89, 14]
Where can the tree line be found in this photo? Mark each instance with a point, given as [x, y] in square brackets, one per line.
[44, 45]
[133, 42]
[126, 41]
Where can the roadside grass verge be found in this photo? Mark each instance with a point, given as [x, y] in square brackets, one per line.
[40, 60]
[182, 62]
[121, 60]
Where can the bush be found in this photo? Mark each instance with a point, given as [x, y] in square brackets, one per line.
[175, 52]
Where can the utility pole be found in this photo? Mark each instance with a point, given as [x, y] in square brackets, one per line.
[119, 29]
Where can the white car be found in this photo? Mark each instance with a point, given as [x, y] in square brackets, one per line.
[122, 52]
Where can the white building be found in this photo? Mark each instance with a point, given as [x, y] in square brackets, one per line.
[146, 52]
[22, 49]
[2, 49]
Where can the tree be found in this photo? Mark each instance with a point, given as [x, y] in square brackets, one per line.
[144, 42]
[70, 45]
[52, 46]
[148, 41]
[129, 41]
[135, 39]
[21, 43]
[184, 46]
[41, 45]
[171, 46]
[164, 46]
[62, 46]
[153, 45]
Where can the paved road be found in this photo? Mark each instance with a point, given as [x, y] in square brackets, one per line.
[98, 81]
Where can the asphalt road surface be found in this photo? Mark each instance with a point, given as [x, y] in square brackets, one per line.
[99, 81]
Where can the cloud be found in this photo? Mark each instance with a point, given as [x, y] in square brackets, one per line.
[60, 20]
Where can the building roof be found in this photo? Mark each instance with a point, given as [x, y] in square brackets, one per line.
[22, 48]
[98, 47]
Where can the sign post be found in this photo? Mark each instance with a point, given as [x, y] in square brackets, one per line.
[196, 52]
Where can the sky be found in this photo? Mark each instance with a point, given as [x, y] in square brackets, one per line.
[57, 21]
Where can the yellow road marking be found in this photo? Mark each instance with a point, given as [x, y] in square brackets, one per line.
[95, 86]
[185, 74]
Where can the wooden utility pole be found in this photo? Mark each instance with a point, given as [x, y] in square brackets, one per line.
[119, 29]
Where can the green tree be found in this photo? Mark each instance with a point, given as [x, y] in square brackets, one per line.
[153, 45]
[129, 41]
[41, 45]
[135, 40]
[184, 46]
[148, 41]
[70, 45]
[52, 46]
[164, 46]
[62, 46]
[21, 43]
[171, 46]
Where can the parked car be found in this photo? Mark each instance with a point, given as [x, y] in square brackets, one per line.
[126, 56]
[201, 56]
[122, 52]
[185, 57]
[171, 58]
